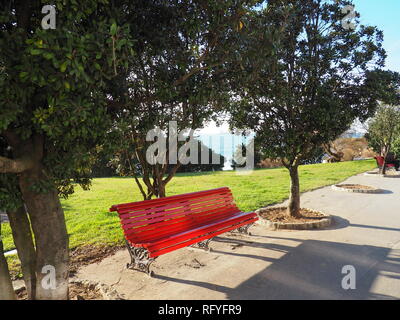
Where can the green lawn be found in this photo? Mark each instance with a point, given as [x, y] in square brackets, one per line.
[89, 222]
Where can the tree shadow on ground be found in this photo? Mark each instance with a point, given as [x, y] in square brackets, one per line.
[311, 270]
[384, 191]
[341, 223]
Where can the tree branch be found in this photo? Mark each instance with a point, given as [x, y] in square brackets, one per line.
[172, 173]
[193, 71]
[15, 166]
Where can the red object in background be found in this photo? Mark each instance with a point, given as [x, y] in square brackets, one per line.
[380, 160]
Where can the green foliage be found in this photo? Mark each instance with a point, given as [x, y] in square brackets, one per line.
[110, 69]
[384, 129]
[396, 146]
[323, 78]
[177, 73]
[10, 197]
[50, 87]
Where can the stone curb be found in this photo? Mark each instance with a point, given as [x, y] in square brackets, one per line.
[377, 174]
[323, 223]
[375, 190]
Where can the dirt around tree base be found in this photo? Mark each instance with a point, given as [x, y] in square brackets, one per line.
[88, 254]
[278, 218]
[389, 174]
[356, 188]
[80, 256]
[83, 290]
[77, 291]
[281, 215]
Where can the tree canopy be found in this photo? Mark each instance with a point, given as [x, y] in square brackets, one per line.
[177, 75]
[384, 130]
[323, 78]
[109, 68]
[53, 112]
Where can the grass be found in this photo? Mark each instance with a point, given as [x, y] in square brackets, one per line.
[89, 222]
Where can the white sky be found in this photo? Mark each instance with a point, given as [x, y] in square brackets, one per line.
[213, 129]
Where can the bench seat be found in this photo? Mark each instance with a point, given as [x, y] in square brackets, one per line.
[161, 245]
[155, 227]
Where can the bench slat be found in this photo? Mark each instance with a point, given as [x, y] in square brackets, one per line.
[163, 201]
[212, 214]
[157, 232]
[151, 209]
[188, 213]
[174, 209]
[199, 231]
[198, 239]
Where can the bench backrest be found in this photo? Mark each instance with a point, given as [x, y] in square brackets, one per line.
[144, 219]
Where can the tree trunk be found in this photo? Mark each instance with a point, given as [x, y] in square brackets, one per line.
[294, 199]
[387, 150]
[6, 287]
[22, 235]
[383, 169]
[51, 238]
[161, 190]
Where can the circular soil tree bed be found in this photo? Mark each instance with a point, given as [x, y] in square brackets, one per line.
[356, 188]
[278, 218]
[389, 174]
[371, 173]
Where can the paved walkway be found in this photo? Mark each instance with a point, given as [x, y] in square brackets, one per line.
[283, 264]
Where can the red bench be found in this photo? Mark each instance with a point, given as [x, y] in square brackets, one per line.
[155, 227]
[380, 160]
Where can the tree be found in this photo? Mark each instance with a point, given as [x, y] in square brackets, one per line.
[383, 130]
[53, 113]
[322, 79]
[175, 76]
[66, 92]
